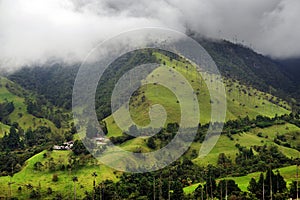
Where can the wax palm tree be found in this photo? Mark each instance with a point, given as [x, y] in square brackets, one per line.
[75, 179]
[94, 174]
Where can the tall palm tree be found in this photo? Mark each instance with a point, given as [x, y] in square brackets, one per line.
[94, 174]
[297, 180]
[75, 179]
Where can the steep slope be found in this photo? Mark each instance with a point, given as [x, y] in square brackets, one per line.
[234, 61]
[292, 68]
[43, 177]
[11, 92]
[242, 100]
[243, 64]
[28, 125]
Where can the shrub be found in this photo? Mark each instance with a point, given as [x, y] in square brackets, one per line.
[259, 134]
[55, 178]
[49, 190]
[35, 194]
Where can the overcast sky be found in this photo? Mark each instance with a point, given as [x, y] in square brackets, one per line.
[33, 31]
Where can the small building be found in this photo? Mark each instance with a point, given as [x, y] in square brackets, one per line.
[65, 146]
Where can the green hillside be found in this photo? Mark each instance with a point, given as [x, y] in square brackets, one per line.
[289, 173]
[255, 120]
[11, 92]
[242, 100]
[42, 177]
[249, 139]
[4, 129]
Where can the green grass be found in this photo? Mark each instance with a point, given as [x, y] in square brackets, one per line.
[190, 189]
[242, 100]
[64, 185]
[281, 129]
[239, 104]
[224, 145]
[136, 144]
[227, 146]
[3, 129]
[20, 113]
[289, 174]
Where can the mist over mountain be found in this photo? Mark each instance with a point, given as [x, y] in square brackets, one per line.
[49, 150]
[235, 61]
[34, 31]
[291, 67]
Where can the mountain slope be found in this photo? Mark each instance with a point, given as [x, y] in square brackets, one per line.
[234, 62]
[242, 100]
[249, 67]
[251, 94]
[11, 92]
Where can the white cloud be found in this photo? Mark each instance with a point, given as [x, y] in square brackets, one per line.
[33, 31]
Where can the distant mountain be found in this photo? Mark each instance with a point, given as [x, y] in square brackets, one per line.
[242, 63]
[291, 67]
[234, 61]
[55, 81]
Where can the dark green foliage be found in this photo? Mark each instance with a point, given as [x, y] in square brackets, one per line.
[199, 192]
[12, 141]
[73, 129]
[293, 190]
[55, 82]
[253, 186]
[10, 159]
[172, 127]
[41, 108]
[121, 139]
[177, 191]
[265, 184]
[33, 108]
[38, 166]
[34, 194]
[210, 186]
[223, 160]
[103, 127]
[49, 190]
[68, 136]
[6, 109]
[151, 143]
[266, 154]
[55, 178]
[79, 148]
[30, 137]
[41, 135]
[243, 64]
[148, 185]
[58, 197]
[229, 185]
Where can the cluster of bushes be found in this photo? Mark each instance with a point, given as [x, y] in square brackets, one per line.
[6, 109]
[41, 108]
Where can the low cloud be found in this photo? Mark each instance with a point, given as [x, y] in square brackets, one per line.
[34, 31]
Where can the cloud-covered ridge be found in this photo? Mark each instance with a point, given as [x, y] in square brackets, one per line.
[34, 31]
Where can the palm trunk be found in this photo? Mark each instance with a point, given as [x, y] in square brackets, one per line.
[74, 191]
